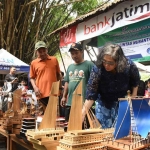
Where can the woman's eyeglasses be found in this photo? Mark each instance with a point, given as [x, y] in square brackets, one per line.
[110, 63]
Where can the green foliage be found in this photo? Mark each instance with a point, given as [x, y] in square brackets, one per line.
[58, 56]
[23, 22]
[84, 6]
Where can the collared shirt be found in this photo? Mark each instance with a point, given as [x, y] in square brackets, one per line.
[108, 87]
[45, 73]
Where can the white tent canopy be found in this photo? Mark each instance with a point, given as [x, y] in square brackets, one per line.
[143, 70]
[142, 67]
[7, 60]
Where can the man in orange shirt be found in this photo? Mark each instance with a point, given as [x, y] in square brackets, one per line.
[44, 70]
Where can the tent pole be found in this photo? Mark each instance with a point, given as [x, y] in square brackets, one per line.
[88, 53]
[62, 60]
[94, 51]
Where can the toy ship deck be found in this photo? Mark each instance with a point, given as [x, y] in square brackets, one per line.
[84, 139]
[46, 135]
[126, 144]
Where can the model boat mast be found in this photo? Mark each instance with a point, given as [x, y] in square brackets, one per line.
[51, 109]
[75, 119]
[48, 135]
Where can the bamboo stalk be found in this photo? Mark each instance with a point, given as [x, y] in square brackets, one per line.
[24, 32]
[10, 25]
[16, 24]
[1, 30]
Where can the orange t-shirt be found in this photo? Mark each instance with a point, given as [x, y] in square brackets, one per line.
[45, 73]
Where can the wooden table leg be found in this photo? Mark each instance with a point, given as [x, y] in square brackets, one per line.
[15, 142]
[5, 134]
[8, 143]
[12, 144]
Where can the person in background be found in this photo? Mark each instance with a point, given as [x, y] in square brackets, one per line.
[1, 100]
[44, 70]
[79, 70]
[12, 79]
[1, 89]
[62, 79]
[24, 87]
[147, 91]
[109, 80]
[141, 88]
[10, 85]
[61, 109]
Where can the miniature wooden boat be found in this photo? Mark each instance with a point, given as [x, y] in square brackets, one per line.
[78, 139]
[11, 118]
[47, 136]
[12, 111]
[133, 125]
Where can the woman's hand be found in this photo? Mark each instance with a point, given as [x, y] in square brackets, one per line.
[87, 105]
[83, 113]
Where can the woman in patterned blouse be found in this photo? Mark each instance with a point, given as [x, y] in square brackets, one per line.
[111, 77]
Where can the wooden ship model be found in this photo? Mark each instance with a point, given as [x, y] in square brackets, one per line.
[77, 139]
[12, 118]
[48, 134]
[132, 126]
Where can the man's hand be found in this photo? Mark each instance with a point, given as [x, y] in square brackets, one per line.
[15, 80]
[37, 92]
[63, 102]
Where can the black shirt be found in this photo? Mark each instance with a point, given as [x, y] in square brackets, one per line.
[9, 78]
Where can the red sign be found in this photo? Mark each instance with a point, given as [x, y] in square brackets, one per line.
[68, 36]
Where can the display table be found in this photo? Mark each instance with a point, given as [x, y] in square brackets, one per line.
[14, 140]
[4, 133]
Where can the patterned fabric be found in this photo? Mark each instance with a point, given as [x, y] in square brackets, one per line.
[106, 117]
[106, 87]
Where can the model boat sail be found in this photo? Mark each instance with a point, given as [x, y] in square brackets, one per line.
[48, 133]
[133, 124]
[76, 138]
[75, 119]
[134, 115]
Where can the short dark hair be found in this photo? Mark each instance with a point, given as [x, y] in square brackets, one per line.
[12, 67]
[23, 80]
[62, 73]
[75, 46]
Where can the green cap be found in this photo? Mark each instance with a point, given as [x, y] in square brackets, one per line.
[40, 44]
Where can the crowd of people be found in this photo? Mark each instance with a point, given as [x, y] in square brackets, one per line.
[11, 83]
[104, 81]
